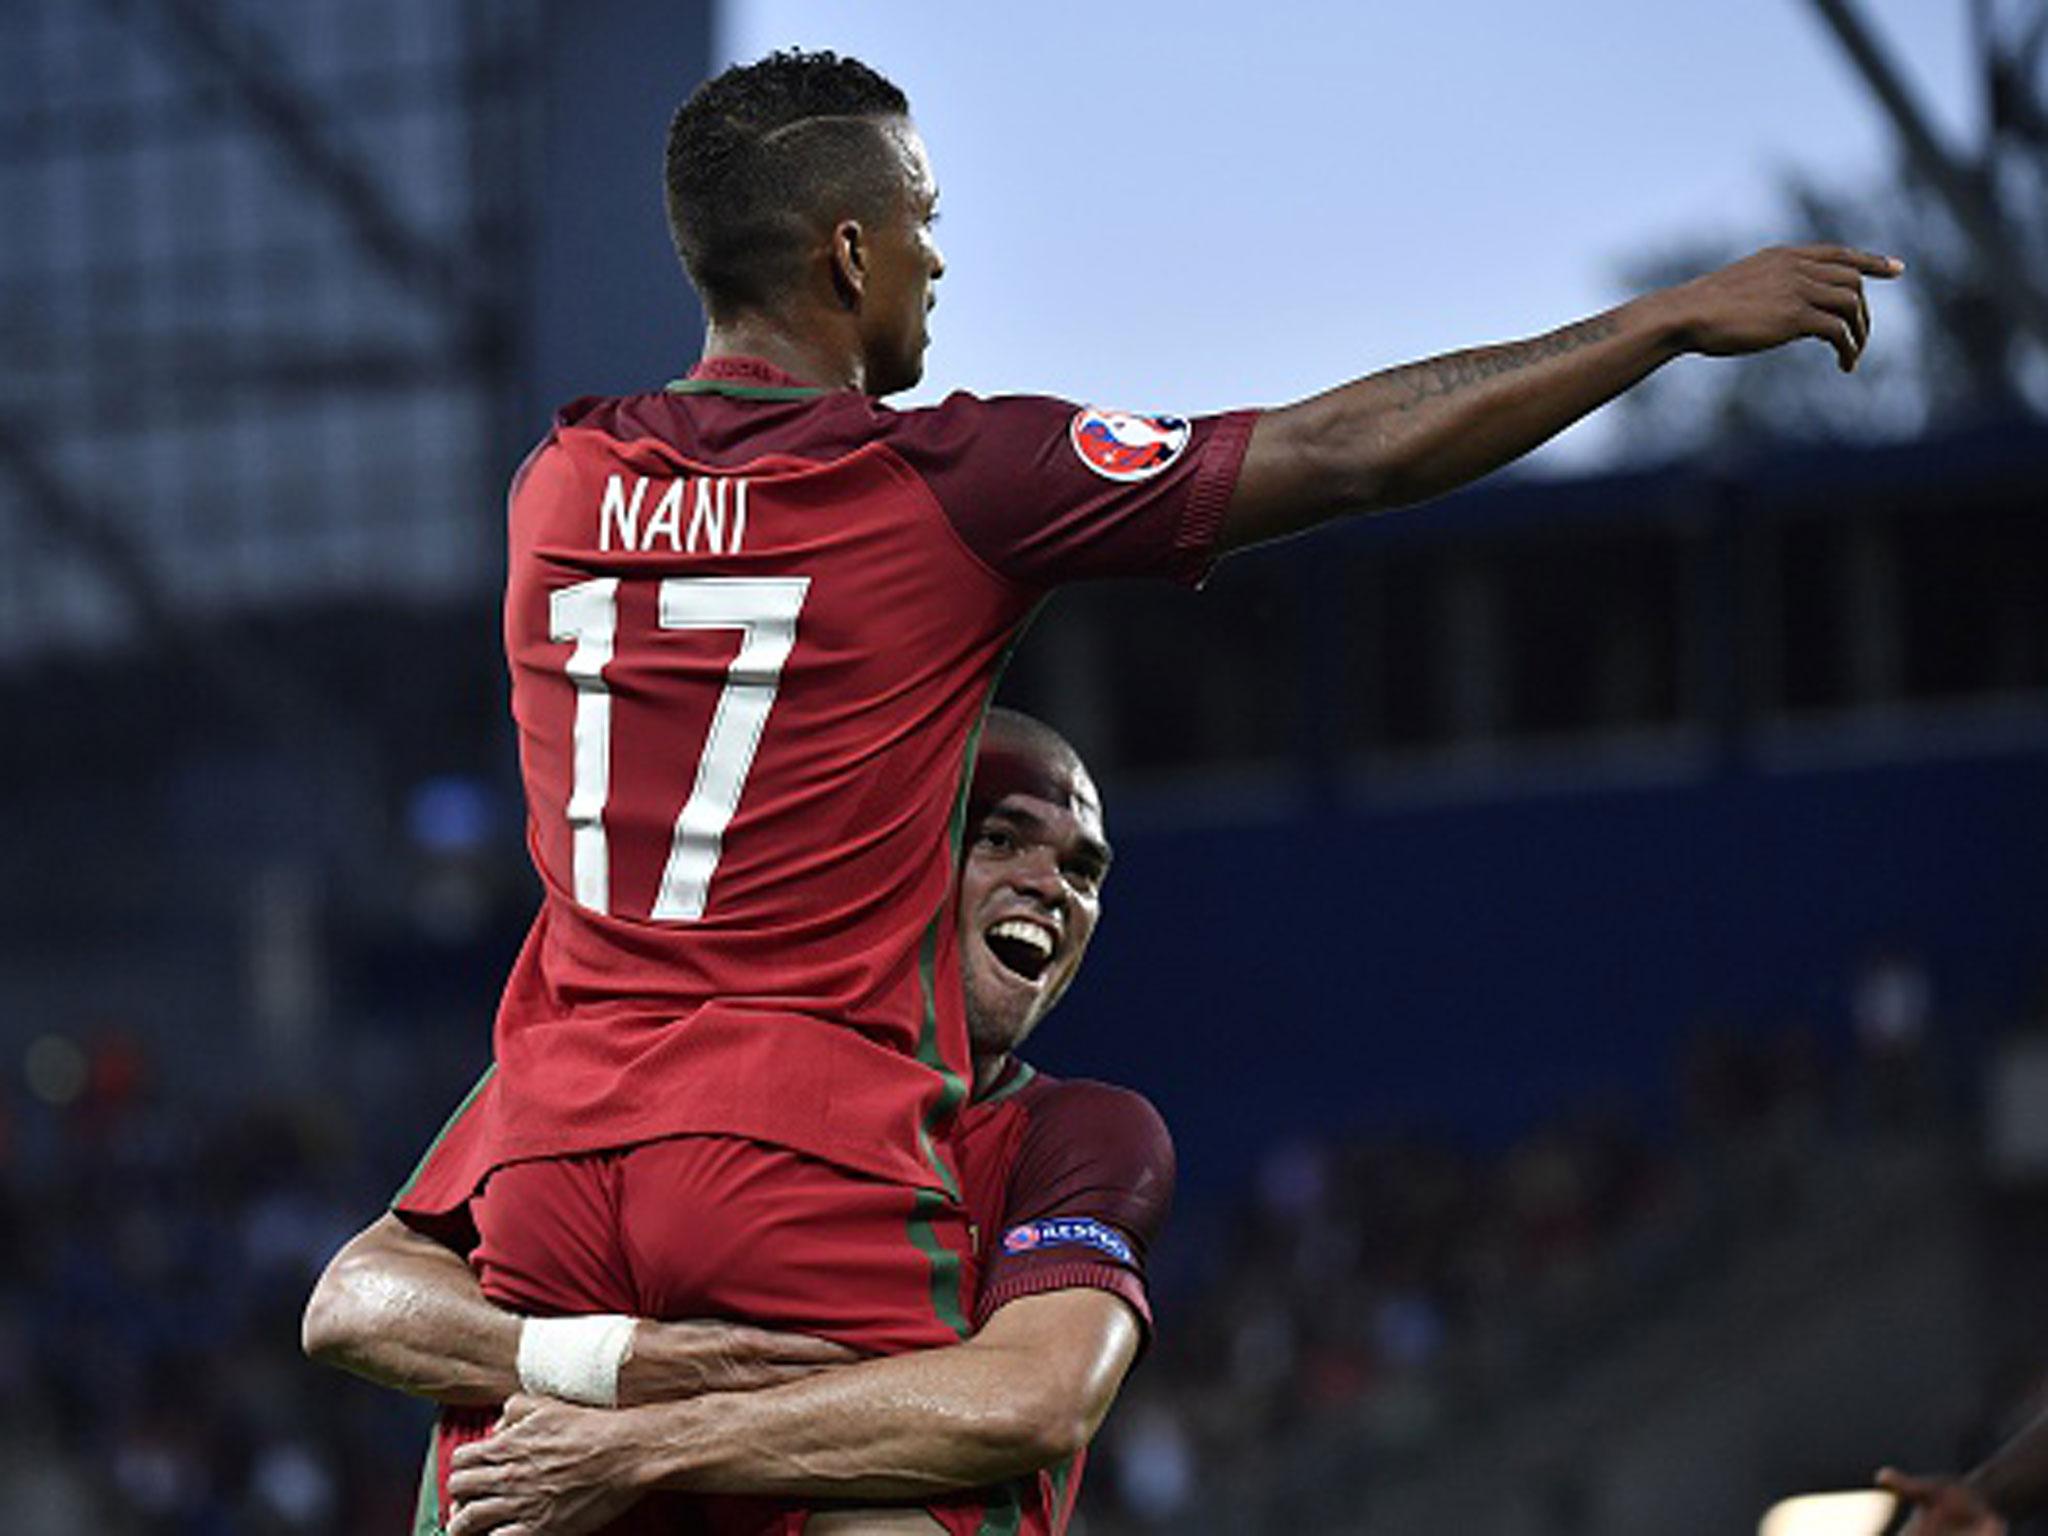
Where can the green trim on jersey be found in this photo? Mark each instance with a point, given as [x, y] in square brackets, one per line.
[426, 1515]
[1025, 1072]
[953, 1092]
[925, 1204]
[744, 391]
[946, 1297]
[441, 1135]
[1061, 1476]
[1003, 1514]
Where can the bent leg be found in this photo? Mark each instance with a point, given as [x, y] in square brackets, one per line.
[715, 1226]
[548, 1237]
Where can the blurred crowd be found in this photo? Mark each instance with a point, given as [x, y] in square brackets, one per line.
[154, 1257]
[1384, 1292]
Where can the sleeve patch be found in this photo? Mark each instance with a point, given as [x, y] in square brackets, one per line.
[1068, 1231]
[1120, 445]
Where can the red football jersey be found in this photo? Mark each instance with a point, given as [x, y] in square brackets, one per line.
[1068, 1184]
[752, 628]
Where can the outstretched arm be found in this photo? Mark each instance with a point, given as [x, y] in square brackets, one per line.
[1414, 432]
[405, 1311]
[1026, 1392]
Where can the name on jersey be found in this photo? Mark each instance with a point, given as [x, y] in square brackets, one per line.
[704, 515]
[1064, 1231]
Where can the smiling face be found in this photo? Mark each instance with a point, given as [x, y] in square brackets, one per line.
[1031, 882]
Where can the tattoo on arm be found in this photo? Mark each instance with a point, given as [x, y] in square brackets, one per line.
[1447, 375]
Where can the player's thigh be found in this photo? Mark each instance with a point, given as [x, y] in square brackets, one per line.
[549, 1238]
[873, 1522]
[722, 1227]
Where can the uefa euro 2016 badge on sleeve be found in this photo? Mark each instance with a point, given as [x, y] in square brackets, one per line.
[1122, 445]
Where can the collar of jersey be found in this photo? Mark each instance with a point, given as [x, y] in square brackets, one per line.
[1015, 1074]
[747, 378]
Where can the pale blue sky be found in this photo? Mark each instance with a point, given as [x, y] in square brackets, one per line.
[1191, 206]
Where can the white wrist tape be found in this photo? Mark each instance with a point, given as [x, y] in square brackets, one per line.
[574, 1358]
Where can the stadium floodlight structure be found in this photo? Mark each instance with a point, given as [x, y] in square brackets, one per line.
[1996, 196]
[260, 297]
[260, 289]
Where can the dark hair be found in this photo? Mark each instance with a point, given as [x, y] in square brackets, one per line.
[759, 153]
[1004, 720]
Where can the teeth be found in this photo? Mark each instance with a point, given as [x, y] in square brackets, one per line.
[1024, 933]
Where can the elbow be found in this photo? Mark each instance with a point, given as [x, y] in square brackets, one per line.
[334, 1325]
[1047, 1428]
[1060, 1437]
[322, 1331]
[1355, 465]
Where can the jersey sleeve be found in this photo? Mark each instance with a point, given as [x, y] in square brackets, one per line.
[1088, 1195]
[1044, 491]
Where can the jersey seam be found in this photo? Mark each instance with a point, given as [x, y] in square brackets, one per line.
[447, 1127]
[1025, 1076]
[903, 468]
[806, 466]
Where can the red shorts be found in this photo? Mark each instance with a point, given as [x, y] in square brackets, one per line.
[713, 1226]
[718, 1227]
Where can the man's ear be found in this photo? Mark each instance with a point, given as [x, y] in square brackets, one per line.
[849, 262]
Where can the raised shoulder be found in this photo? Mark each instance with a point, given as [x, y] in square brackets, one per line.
[1093, 1149]
[1108, 1117]
[1088, 1195]
[1046, 491]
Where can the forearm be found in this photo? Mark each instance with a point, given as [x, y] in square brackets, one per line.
[407, 1313]
[1419, 430]
[901, 1428]
[1448, 420]
[1026, 1392]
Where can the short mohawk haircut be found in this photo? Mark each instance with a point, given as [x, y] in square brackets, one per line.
[753, 157]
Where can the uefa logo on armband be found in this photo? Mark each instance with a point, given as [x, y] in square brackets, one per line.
[1059, 1231]
[1122, 445]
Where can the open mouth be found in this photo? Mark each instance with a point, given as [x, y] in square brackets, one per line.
[1024, 949]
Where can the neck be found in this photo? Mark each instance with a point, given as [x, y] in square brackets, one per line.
[987, 1069]
[814, 355]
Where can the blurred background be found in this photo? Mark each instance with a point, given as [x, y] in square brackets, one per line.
[1588, 937]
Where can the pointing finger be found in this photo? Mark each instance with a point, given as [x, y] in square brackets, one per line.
[1870, 263]
[1835, 274]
